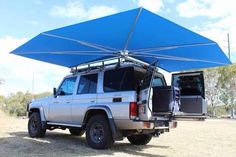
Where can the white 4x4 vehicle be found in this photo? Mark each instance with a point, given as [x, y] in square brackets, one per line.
[112, 102]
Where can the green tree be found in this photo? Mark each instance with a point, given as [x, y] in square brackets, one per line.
[227, 84]
[2, 98]
[16, 104]
[212, 89]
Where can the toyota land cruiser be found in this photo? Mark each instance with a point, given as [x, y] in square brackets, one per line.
[113, 101]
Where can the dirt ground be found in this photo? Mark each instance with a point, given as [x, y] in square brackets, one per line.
[211, 138]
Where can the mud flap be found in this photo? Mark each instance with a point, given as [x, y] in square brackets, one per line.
[116, 134]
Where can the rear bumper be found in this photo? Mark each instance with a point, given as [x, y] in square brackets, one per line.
[123, 124]
[147, 125]
[165, 124]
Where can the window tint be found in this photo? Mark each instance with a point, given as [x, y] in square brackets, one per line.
[157, 82]
[189, 84]
[67, 87]
[119, 80]
[87, 84]
[146, 80]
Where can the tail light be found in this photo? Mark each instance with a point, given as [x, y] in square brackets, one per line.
[133, 110]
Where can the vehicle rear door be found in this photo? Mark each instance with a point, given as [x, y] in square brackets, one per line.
[117, 91]
[192, 99]
[156, 98]
[145, 94]
[86, 96]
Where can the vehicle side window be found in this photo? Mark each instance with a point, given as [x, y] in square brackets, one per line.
[67, 87]
[87, 84]
[157, 82]
[119, 80]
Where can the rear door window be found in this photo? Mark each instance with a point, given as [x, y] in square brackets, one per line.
[157, 82]
[87, 84]
[189, 83]
[119, 80]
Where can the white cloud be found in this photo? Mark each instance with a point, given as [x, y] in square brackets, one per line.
[75, 9]
[18, 71]
[99, 11]
[71, 10]
[221, 19]
[152, 5]
[218, 31]
[209, 8]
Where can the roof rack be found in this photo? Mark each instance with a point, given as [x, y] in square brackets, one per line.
[101, 64]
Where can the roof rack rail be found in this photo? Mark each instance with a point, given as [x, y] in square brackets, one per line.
[101, 64]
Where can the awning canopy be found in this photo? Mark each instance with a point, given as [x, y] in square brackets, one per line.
[136, 33]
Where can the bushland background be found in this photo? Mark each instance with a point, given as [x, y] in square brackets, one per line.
[220, 87]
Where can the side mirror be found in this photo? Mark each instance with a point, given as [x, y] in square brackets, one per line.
[55, 92]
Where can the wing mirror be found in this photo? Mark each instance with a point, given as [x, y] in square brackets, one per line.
[54, 92]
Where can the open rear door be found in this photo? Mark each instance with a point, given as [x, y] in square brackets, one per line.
[192, 99]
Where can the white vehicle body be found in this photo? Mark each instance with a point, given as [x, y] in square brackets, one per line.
[125, 94]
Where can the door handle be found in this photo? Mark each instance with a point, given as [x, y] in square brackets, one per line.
[56, 102]
[67, 102]
[92, 101]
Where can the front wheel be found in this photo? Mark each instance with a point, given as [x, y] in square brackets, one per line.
[141, 139]
[98, 134]
[35, 127]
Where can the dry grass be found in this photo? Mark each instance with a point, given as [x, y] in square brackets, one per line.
[212, 138]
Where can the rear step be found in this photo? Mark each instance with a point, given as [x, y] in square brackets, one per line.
[189, 116]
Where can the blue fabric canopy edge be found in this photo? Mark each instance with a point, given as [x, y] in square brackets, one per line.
[138, 32]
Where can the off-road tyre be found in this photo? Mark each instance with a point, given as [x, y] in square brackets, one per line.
[98, 133]
[35, 127]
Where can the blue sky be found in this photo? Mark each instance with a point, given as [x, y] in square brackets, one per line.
[22, 20]
[29, 17]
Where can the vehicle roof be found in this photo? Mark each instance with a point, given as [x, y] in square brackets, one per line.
[103, 69]
[109, 67]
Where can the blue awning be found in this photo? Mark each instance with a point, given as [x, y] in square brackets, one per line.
[137, 33]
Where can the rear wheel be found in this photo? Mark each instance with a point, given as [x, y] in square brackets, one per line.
[76, 131]
[141, 139]
[35, 127]
[98, 134]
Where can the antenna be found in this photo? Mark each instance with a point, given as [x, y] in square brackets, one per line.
[228, 46]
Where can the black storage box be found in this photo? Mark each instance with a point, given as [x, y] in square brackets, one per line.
[163, 99]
